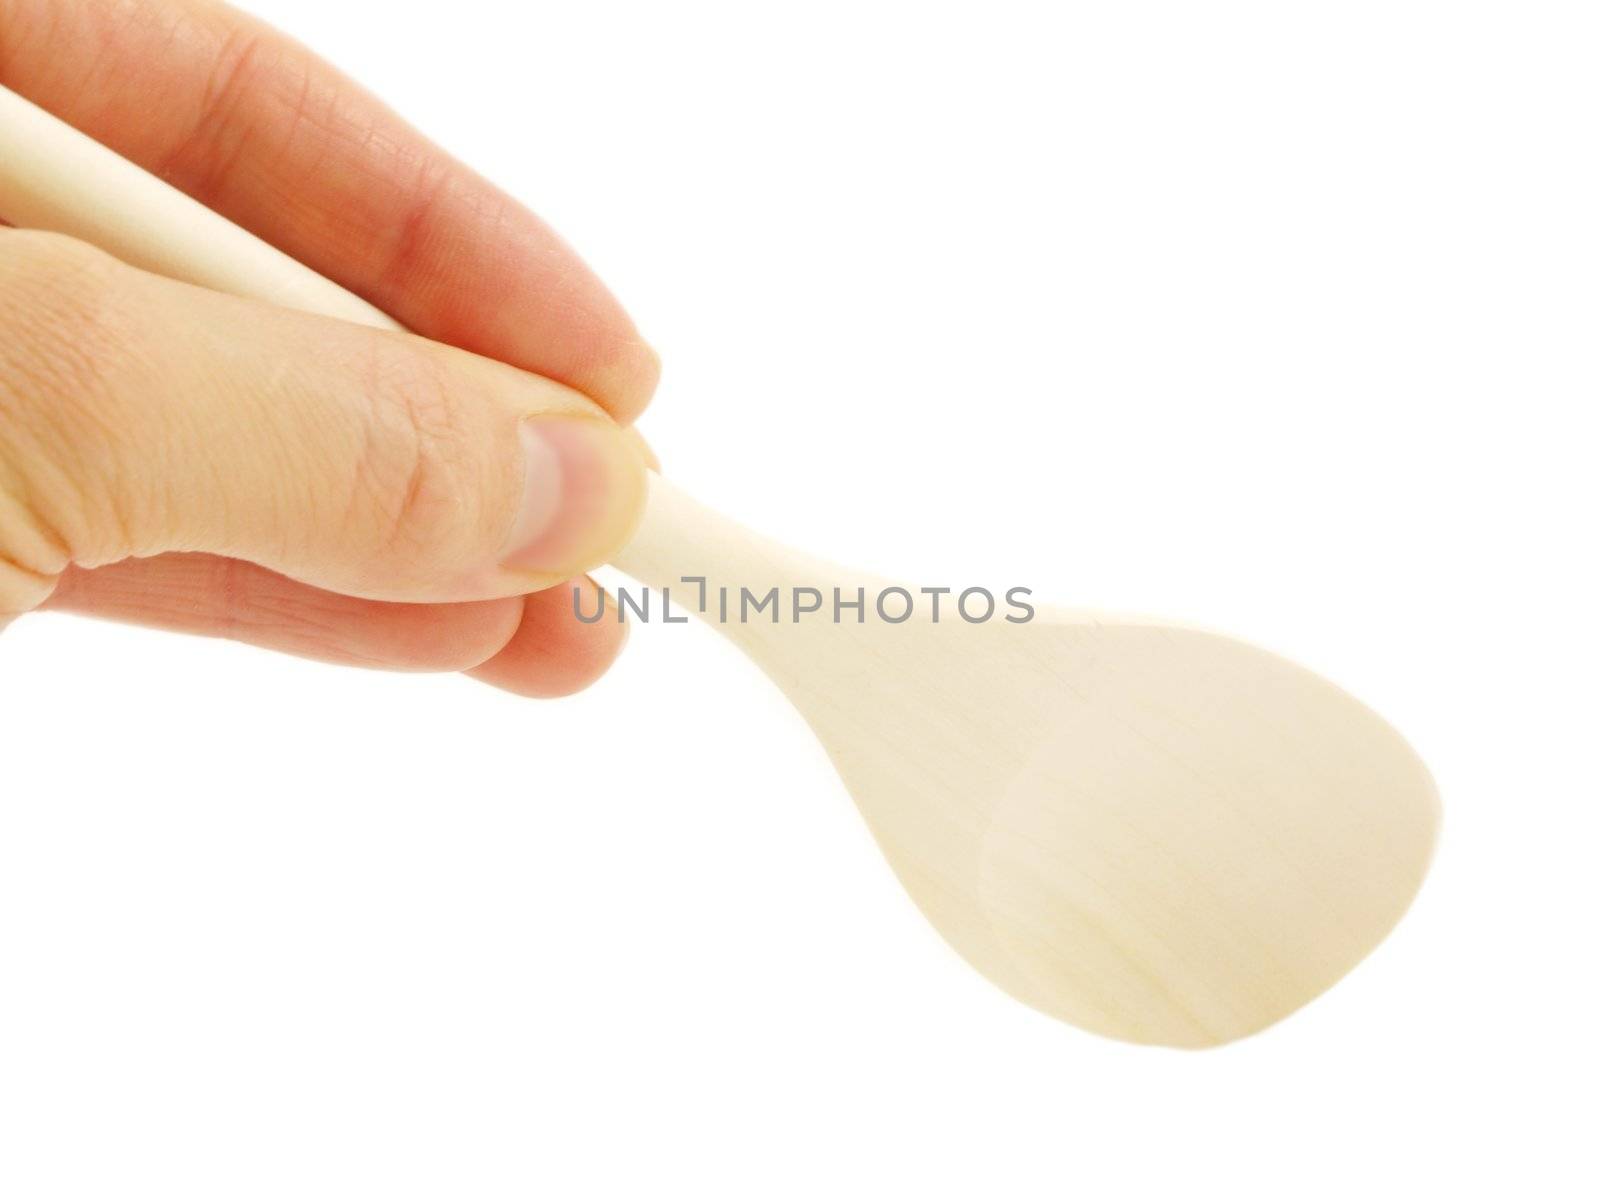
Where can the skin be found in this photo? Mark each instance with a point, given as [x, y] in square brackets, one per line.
[175, 458]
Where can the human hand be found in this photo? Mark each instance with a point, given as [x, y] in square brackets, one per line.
[193, 461]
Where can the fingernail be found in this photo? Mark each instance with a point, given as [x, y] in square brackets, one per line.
[582, 491]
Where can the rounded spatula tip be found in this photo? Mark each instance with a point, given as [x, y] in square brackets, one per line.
[1197, 851]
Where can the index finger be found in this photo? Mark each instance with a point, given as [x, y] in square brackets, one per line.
[255, 126]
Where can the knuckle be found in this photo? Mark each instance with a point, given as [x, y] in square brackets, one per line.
[249, 63]
[417, 467]
[64, 304]
[68, 327]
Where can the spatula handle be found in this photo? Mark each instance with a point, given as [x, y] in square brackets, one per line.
[53, 177]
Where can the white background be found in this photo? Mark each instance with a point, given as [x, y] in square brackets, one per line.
[1276, 317]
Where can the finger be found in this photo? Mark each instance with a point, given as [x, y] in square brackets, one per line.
[223, 597]
[256, 127]
[569, 635]
[525, 645]
[368, 463]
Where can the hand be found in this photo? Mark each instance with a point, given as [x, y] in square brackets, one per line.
[178, 458]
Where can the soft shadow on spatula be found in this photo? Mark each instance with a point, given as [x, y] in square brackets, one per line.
[1153, 832]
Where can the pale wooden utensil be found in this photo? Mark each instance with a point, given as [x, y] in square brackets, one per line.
[1155, 833]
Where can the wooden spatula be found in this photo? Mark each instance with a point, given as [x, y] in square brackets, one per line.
[1153, 832]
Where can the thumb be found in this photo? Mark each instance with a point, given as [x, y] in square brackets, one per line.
[139, 415]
